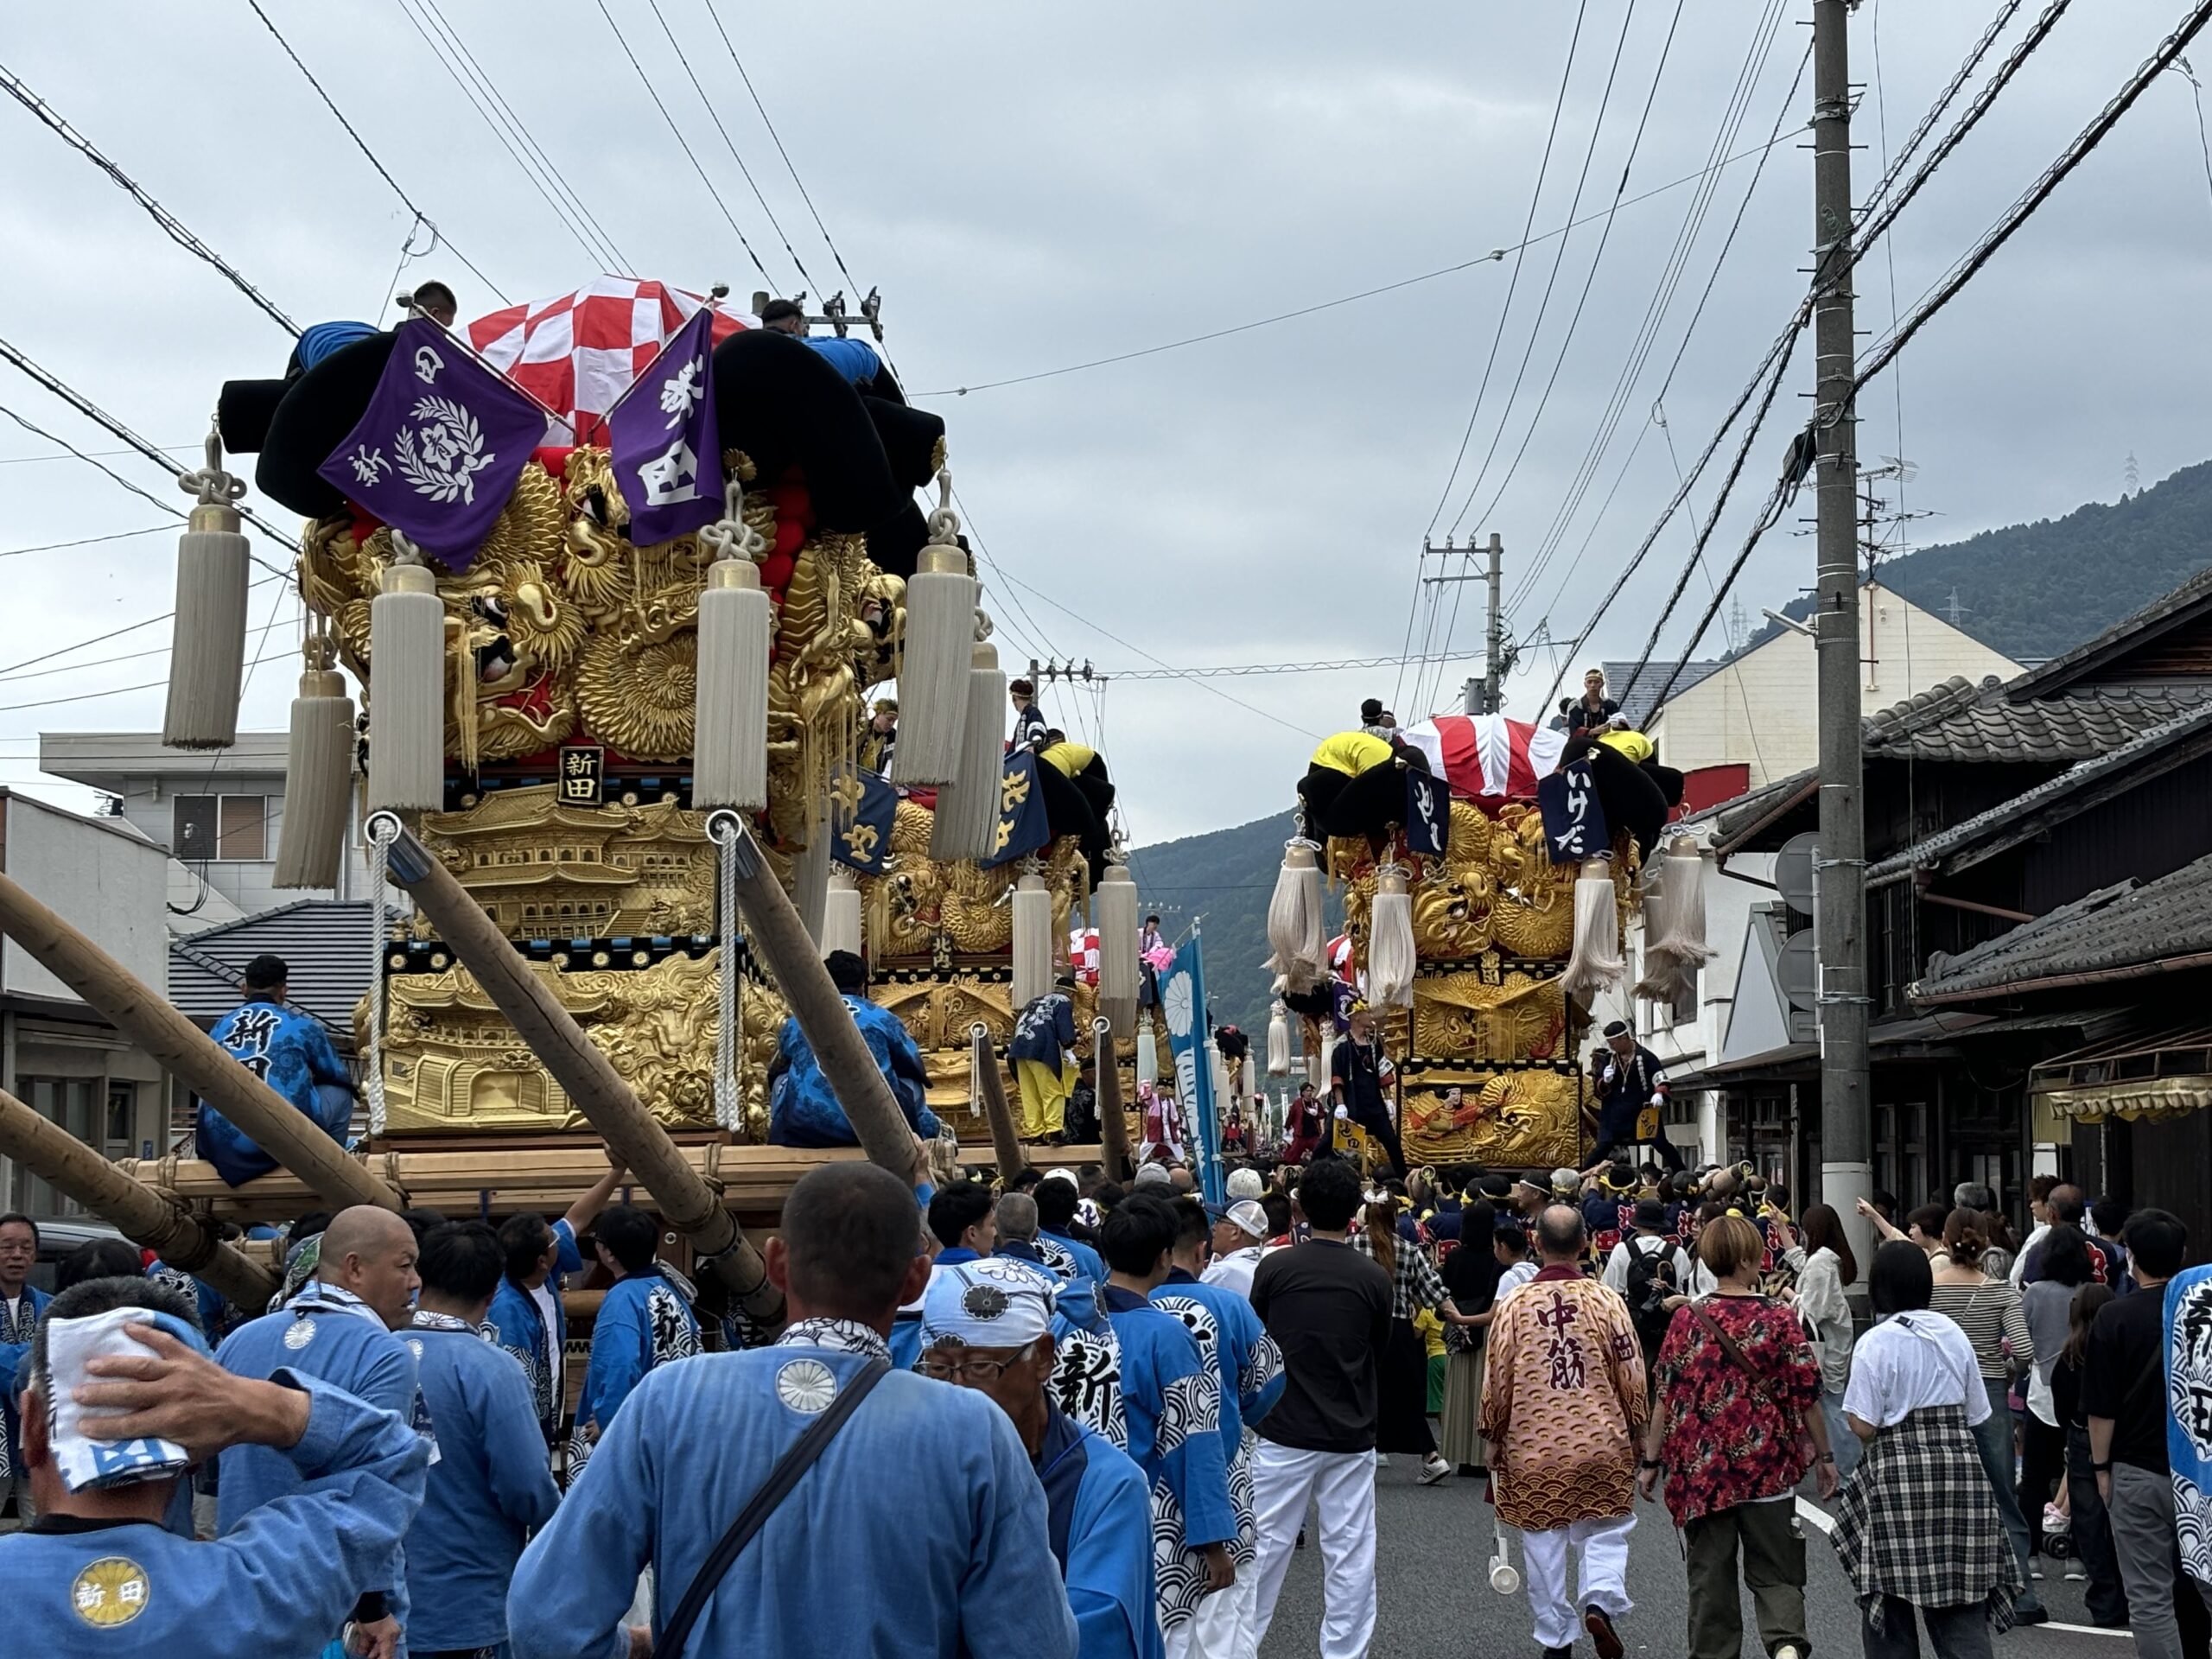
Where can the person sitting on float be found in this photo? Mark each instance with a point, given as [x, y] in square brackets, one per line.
[803, 1109]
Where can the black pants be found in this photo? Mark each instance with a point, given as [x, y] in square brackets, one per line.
[1379, 1126]
[2043, 1465]
[2092, 1533]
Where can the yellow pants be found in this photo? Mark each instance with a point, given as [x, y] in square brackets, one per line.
[1044, 1097]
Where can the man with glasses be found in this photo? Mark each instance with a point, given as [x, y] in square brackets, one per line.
[986, 1326]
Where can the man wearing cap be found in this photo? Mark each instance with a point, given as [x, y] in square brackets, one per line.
[1361, 1074]
[1230, 1334]
[1648, 1269]
[990, 1326]
[925, 1488]
[101, 1558]
[287, 1049]
[1240, 1239]
[1633, 1107]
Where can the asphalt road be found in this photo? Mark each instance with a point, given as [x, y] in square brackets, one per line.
[1432, 1563]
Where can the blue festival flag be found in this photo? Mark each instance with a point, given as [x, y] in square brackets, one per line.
[1574, 824]
[1022, 826]
[664, 446]
[1183, 1001]
[436, 453]
[1428, 813]
[861, 807]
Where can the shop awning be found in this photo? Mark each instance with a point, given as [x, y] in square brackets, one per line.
[1791, 1063]
[2161, 1075]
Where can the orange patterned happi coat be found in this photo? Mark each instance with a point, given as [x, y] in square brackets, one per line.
[1563, 1402]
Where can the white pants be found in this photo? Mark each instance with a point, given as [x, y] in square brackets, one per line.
[1602, 1547]
[1284, 1481]
[1222, 1627]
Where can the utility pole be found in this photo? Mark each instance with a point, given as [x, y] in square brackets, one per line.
[1841, 1001]
[1494, 647]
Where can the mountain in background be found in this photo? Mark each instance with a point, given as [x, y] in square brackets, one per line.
[2031, 591]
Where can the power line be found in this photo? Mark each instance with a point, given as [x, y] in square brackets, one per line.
[362, 144]
[83, 541]
[1496, 256]
[1243, 669]
[1965, 71]
[171, 225]
[682, 143]
[828, 241]
[29, 461]
[714, 115]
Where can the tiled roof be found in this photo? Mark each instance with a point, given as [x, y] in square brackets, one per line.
[1961, 720]
[2191, 596]
[2115, 932]
[324, 942]
[1639, 707]
[2163, 741]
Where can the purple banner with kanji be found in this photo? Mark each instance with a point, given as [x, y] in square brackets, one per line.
[666, 452]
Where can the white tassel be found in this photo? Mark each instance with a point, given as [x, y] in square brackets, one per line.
[1297, 925]
[1119, 974]
[1279, 1042]
[1596, 964]
[1317, 1064]
[1391, 961]
[407, 687]
[1674, 926]
[1250, 1085]
[810, 883]
[318, 776]
[729, 747]
[934, 658]
[966, 823]
[207, 641]
[840, 916]
[1033, 936]
[1148, 1052]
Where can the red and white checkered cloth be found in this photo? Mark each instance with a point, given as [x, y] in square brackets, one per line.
[1488, 759]
[1083, 955]
[577, 353]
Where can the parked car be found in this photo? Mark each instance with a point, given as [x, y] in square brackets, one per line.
[56, 1239]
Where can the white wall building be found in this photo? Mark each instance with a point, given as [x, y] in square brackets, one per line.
[56, 1054]
[1757, 710]
[219, 815]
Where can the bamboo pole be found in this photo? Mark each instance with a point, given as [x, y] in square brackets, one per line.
[776, 935]
[687, 1202]
[279, 1127]
[1005, 1139]
[179, 1237]
[1112, 1116]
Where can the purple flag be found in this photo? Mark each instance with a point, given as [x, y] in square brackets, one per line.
[437, 452]
[666, 451]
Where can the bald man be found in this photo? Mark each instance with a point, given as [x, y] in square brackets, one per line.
[338, 1328]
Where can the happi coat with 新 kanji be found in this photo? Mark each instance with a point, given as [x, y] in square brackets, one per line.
[1563, 1403]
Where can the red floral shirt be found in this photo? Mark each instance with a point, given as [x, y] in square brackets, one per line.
[1729, 1441]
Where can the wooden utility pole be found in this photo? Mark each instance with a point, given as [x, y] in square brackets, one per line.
[277, 1127]
[1841, 1000]
[990, 1093]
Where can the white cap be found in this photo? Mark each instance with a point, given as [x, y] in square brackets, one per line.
[1245, 1184]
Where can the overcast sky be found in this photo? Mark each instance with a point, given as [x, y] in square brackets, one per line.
[1034, 186]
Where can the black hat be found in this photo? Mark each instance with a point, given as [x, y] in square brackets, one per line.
[1650, 1213]
[1616, 1029]
[1370, 711]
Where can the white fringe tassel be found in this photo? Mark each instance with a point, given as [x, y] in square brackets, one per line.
[966, 823]
[407, 689]
[1391, 961]
[1032, 939]
[1249, 1085]
[729, 747]
[840, 916]
[934, 659]
[1279, 1041]
[1148, 1052]
[1115, 907]
[1674, 929]
[1317, 1064]
[1298, 929]
[207, 640]
[1596, 964]
[318, 776]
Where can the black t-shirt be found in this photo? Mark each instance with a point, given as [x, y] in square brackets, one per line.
[1356, 1068]
[1328, 1308]
[2123, 1377]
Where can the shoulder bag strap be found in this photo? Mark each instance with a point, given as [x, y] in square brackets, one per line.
[1736, 1355]
[773, 1491]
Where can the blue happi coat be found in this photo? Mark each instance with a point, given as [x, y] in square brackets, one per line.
[347, 1346]
[489, 1488]
[287, 1049]
[1230, 1335]
[1100, 1518]
[1171, 1400]
[803, 1109]
[1066, 1257]
[948, 1555]
[14, 1349]
[518, 1326]
[643, 1322]
[278, 1583]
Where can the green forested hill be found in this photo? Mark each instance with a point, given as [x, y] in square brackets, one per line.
[2033, 591]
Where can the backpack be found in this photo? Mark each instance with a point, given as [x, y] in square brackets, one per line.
[1650, 1282]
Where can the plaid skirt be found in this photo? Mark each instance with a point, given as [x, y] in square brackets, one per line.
[1917, 1520]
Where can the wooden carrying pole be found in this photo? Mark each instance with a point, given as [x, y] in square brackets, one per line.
[277, 1127]
[779, 938]
[990, 1085]
[686, 1201]
[1113, 1116]
[179, 1237]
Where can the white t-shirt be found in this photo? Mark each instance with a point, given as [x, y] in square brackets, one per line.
[1236, 1270]
[1911, 1360]
[1617, 1264]
[16, 1308]
[1513, 1278]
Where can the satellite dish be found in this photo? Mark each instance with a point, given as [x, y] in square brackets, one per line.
[1796, 970]
[1793, 871]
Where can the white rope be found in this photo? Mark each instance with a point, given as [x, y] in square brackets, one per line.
[729, 1101]
[979, 1038]
[382, 829]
